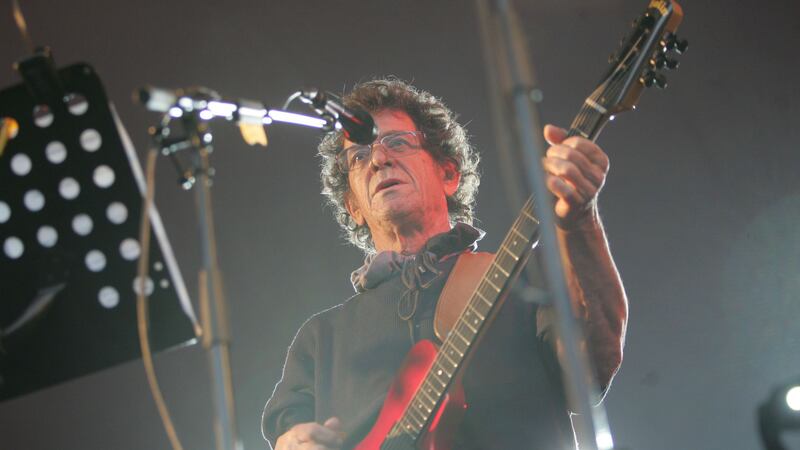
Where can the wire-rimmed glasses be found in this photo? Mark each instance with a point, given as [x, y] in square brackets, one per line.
[396, 144]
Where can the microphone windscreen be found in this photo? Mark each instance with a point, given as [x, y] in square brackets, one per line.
[358, 127]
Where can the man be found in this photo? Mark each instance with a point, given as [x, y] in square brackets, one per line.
[407, 201]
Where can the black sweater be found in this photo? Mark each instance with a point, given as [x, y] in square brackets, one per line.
[343, 360]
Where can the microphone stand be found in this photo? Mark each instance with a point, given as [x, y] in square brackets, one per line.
[194, 109]
[502, 40]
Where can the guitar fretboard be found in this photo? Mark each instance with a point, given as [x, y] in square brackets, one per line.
[479, 309]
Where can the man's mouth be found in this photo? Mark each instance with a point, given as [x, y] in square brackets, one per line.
[386, 184]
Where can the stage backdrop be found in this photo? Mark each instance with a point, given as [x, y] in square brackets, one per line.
[701, 205]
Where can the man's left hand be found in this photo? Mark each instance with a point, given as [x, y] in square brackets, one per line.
[576, 171]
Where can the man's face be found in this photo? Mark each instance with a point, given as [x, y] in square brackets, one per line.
[405, 190]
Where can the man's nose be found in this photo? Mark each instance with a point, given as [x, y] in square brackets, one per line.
[379, 157]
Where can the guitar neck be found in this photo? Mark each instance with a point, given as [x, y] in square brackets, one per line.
[633, 67]
[590, 120]
[478, 313]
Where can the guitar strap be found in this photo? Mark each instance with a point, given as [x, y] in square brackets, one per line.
[463, 281]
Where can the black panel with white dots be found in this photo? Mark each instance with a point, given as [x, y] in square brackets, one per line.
[69, 216]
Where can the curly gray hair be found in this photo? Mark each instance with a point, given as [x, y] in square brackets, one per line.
[445, 139]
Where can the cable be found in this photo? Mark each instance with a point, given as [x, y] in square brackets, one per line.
[291, 99]
[142, 316]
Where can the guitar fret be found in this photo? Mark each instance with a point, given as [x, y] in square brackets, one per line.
[442, 384]
[483, 298]
[500, 268]
[407, 426]
[454, 350]
[427, 401]
[423, 408]
[442, 371]
[458, 333]
[514, 229]
[595, 106]
[426, 394]
[474, 330]
[453, 363]
[493, 285]
[528, 215]
[431, 387]
[527, 228]
[475, 311]
[503, 247]
[417, 423]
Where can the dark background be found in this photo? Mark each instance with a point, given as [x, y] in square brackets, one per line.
[701, 205]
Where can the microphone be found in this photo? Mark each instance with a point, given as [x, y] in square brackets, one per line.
[356, 124]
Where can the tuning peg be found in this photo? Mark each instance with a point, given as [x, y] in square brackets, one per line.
[651, 78]
[681, 45]
[671, 42]
[662, 62]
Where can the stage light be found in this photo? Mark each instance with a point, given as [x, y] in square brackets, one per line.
[175, 112]
[793, 398]
[780, 412]
[604, 440]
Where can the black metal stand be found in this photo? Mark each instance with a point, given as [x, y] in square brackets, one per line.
[502, 40]
[192, 110]
[70, 197]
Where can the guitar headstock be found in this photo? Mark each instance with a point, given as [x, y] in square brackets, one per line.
[648, 50]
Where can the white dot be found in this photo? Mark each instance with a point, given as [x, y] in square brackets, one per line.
[148, 286]
[117, 213]
[42, 116]
[13, 247]
[103, 176]
[129, 249]
[82, 224]
[33, 200]
[95, 260]
[157, 266]
[47, 236]
[77, 104]
[21, 164]
[793, 398]
[108, 297]
[91, 140]
[69, 188]
[56, 152]
[5, 212]
[164, 283]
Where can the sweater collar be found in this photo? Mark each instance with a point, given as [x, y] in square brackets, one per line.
[381, 266]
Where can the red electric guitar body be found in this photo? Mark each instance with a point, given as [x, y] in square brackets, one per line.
[410, 379]
[425, 403]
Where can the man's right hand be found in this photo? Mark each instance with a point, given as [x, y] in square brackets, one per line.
[312, 436]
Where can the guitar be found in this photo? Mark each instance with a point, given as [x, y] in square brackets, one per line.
[425, 402]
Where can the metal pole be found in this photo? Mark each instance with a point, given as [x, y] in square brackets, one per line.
[216, 339]
[590, 424]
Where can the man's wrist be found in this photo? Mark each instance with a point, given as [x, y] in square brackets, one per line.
[586, 221]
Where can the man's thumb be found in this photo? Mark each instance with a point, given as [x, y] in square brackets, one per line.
[333, 423]
[553, 134]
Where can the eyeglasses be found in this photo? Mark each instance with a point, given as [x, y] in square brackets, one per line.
[401, 143]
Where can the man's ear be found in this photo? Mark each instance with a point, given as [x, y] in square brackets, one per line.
[451, 177]
[353, 209]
